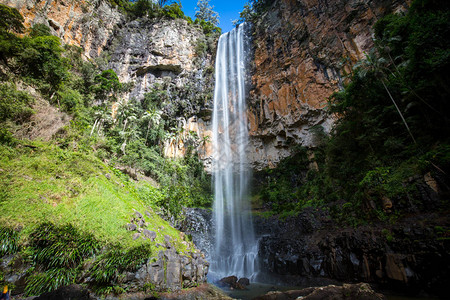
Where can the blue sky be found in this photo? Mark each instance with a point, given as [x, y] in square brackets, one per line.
[228, 11]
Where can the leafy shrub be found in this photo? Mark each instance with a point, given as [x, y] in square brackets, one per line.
[6, 138]
[42, 60]
[173, 11]
[57, 252]
[208, 27]
[50, 280]
[14, 105]
[110, 266]
[10, 19]
[8, 241]
[56, 247]
[69, 100]
[40, 30]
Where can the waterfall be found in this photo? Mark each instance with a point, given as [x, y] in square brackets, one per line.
[235, 248]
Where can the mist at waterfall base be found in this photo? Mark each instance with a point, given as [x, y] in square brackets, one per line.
[235, 248]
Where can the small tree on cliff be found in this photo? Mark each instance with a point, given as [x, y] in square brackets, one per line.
[204, 11]
[10, 19]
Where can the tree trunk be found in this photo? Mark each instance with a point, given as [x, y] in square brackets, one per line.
[399, 112]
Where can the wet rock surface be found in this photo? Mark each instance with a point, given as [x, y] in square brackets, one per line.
[408, 256]
[173, 271]
[310, 249]
[347, 291]
[197, 223]
[204, 291]
[233, 282]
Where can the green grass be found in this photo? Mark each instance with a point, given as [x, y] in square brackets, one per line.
[41, 182]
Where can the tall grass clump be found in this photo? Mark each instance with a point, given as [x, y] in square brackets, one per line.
[110, 267]
[8, 241]
[57, 253]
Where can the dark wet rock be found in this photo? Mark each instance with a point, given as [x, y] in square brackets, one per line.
[138, 215]
[167, 241]
[232, 282]
[360, 291]
[197, 223]
[69, 292]
[204, 291]
[407, 256]
[244, 281]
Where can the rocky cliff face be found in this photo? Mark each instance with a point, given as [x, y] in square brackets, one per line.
[86, 24]
[302, 49]
[157, 54]
[164, 55]
[408, 256]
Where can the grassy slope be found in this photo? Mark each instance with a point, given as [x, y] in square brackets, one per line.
[47, 183]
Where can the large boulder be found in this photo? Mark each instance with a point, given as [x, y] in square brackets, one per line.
[173, 271]
[232, 282]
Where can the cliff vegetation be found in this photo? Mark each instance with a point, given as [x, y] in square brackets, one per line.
[391, 137]
[80, 165]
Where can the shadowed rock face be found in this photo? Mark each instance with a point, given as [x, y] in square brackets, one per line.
[73, 291]
[407, 256]
[302, 49]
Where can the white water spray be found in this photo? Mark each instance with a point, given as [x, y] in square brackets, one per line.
[235, 248]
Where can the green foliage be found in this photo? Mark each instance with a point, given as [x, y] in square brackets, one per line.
[204, 12]
[40, 30]
[156, 9]
[110, 266]
[6, 138]
[391, 127]
[144, 7]
[106, 85]
[42, 60]
[173, 11]
[253, 10]
[8, 241]
[61, 247]
[247, 14]
[122, 4]
[14, 105]
[388, 235]
[69, 100]
[10, 19]
[50, 280]
[208, 27]
[58, 252]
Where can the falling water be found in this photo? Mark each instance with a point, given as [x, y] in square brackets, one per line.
[235, 247]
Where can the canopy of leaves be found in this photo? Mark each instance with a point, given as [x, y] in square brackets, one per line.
[10, 19]
[105, 84]
[40, 30]
[204, 11]
[14, 105]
